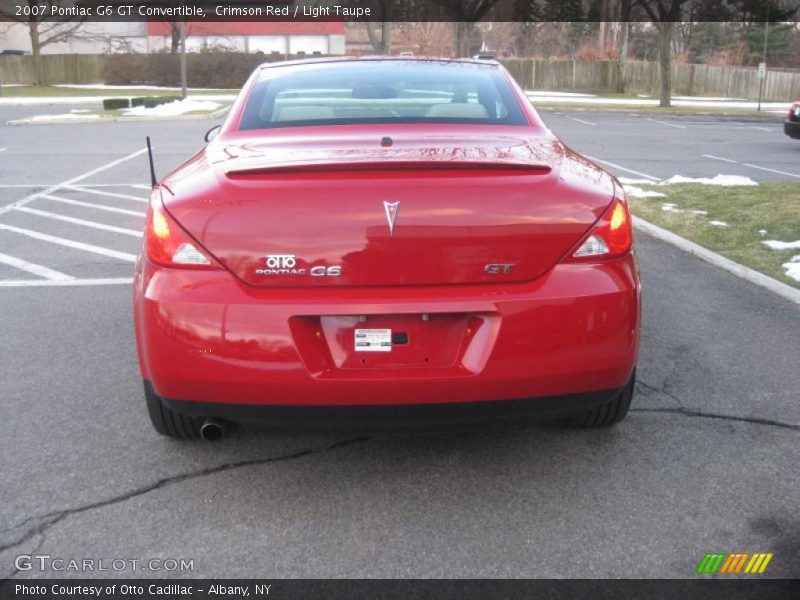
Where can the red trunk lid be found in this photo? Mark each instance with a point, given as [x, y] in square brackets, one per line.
[421, 211]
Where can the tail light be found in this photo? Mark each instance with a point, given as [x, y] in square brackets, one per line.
[610, 236]
[168, 245]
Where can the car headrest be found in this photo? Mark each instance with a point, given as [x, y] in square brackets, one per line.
[303, 113]
[458, 111]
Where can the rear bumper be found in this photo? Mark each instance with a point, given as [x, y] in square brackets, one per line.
[203, 337]
[396, 418]
[792, 129]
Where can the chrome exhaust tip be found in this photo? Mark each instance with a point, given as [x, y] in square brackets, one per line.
[212, 430]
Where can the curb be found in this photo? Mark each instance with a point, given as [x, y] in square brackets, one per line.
[746, 116]
[56, 121]
[754, 277]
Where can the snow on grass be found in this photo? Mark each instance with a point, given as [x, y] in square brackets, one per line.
[719, 223]
[171, 109]
[793, 267]
[103, 86]
[723, 180]
[669, 207]
[683, 101]
[537, 94]
[762, 232]
[776, 245]
[708, 99]
[637, 192]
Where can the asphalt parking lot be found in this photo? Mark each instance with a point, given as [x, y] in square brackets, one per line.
[706, 461]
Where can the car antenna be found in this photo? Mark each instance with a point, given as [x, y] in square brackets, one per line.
[153, 179]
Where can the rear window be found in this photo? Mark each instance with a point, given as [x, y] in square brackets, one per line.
[341, 93]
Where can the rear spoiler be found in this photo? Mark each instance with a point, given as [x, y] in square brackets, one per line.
[389, 165]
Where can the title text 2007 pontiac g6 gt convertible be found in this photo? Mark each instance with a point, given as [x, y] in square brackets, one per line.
[384, 241]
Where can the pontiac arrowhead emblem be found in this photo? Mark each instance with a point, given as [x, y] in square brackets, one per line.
[391, 208]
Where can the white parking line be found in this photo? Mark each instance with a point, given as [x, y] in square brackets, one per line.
[727, 160]
[112, 209]
[3, 149]
[621, 168]
[81, 177]
[76, 188]
[84, 185]
[75, 221]
[666, 124]
[24, 265]
[582, 121]
[70, 282]
[69, 243]
[795, 175]
[752, 166]
[759, 128]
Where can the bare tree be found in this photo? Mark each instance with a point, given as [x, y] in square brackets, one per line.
[43, 30]
[625, 8]
[465, 13]
[384, 44]
[428, 38]
[664, 14]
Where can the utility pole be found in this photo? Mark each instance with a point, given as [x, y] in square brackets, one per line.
[182, 28]
[762, 68]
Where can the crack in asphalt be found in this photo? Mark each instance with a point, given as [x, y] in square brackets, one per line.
[682, 409]
[693, 412]
[48, 520]
[653, 388]
[45, 522]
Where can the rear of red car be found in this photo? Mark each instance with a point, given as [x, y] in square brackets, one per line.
[457, 263]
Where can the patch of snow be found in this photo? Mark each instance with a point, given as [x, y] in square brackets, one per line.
[723, 180]
[685, 101]
[762, 232]
[57, 100]
[793, 268]
[79, 110]
[536, 94]
[719, 223]
[669, 207]
[64, 116]
[708, 99]
[178, 107]
[636, 192]
[776, 245]
[103, 86]
[699, 212]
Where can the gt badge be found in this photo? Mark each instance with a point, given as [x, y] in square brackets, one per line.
[498, 268]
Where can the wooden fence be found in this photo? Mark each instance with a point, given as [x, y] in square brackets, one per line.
[216, 70]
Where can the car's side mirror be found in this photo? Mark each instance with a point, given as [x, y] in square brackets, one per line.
[213, 132]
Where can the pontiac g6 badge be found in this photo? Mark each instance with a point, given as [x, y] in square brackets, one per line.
[286, 264]
[391, 208]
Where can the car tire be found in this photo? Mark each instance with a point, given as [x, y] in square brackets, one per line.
[168, 422]
[611, 412]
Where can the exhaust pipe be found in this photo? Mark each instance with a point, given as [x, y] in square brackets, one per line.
[212, 430]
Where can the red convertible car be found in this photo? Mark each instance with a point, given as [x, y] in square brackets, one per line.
[385, 242]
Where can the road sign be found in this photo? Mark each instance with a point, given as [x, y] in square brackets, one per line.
[762, 70]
